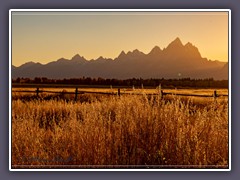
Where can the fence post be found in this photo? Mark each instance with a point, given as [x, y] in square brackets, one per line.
[76, 94]
[214, 94]
[37, 91]
[119, 93]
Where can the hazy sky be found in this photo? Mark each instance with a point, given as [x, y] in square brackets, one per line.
[47, 36]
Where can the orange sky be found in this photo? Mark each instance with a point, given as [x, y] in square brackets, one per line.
[47, 36]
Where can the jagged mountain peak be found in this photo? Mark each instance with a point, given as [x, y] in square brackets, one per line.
[100, 58]
[189, 45]
[135, 52]
[155, 50]
[122, 54]
[192, 50]
[77, 56]
[103, 58]
[176, 43]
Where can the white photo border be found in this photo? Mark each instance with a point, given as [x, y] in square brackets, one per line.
[118, 10]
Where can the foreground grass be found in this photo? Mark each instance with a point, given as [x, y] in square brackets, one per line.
[131, 130]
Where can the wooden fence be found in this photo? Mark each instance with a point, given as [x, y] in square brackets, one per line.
[160, 93]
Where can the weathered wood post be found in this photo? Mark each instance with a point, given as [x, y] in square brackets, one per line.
[76, 94]
[119, 93]
[37, 91]
[214, 94]
[142, 86]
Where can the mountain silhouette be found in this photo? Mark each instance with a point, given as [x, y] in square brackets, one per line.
[171, 62]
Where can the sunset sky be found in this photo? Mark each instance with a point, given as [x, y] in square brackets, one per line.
[47, 36]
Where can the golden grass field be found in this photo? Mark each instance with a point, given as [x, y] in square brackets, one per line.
[126, 131]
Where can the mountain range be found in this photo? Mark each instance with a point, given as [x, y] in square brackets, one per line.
[174, 61]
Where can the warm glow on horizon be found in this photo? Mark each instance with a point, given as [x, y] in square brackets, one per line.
[47, 36]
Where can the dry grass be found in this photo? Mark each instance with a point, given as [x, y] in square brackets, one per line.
[130, 130]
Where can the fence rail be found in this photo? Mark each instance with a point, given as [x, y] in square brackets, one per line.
[160, 93]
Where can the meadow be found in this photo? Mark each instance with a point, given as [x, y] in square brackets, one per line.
[130, 131]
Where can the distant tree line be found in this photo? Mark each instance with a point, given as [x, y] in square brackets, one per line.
[137, 82]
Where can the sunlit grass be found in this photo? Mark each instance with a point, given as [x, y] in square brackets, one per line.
[126, 130]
